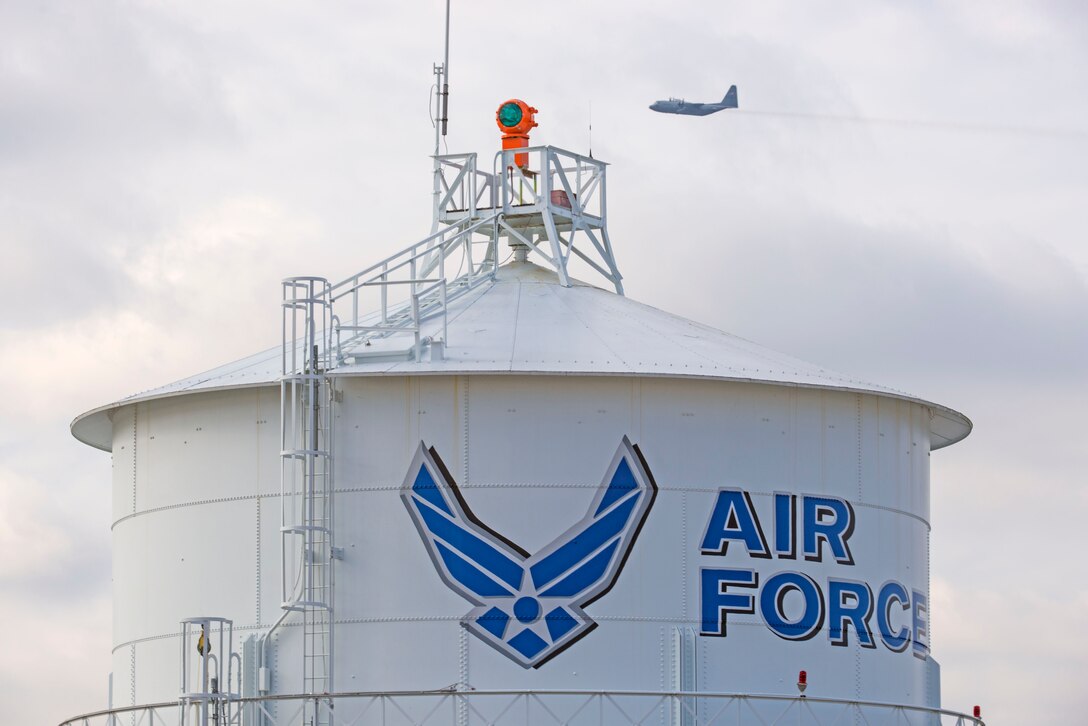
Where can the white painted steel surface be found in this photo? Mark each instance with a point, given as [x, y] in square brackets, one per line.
[197, 517]
[537, 386]
[525, 322]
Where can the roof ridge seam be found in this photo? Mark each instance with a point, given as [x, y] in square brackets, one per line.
[514, 339]
[591, 330]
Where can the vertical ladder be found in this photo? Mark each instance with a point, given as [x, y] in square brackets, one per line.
[306, 501]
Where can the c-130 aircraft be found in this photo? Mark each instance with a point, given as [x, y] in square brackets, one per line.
[686, 108]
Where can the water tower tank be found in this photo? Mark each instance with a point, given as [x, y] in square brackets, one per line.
[471, 492]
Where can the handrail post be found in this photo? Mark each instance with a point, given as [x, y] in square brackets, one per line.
[472, 187]
[507, 176]
[602, 195]
[385, 294]
[355, 300]
[467, 242]
[546, 172]
[415, 307]
[578, 177]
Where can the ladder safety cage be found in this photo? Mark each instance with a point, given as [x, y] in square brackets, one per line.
[306, 487]
[211, 673]
[303, 433]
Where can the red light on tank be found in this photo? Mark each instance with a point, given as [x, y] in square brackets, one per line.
[978, 711]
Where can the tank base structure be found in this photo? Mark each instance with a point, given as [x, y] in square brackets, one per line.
[508, 497]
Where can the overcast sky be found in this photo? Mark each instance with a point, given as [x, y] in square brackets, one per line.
[903, 196]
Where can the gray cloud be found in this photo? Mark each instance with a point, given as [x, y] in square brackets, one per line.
[88, 79]
[910, 300]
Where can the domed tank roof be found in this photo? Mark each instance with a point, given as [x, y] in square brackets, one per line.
[526, 322]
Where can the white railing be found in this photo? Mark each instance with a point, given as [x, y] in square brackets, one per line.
[465, 191]
[420, 271]
[542, 708]
[567, 192]
[555, 206]
[568, 184]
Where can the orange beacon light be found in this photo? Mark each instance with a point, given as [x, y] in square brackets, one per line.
[515, 118]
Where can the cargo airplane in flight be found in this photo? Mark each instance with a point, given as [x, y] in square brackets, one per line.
[686, 108]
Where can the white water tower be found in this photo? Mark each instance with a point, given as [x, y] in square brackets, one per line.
[468, 492]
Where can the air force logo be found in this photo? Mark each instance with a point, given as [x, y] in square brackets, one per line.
[529, 606]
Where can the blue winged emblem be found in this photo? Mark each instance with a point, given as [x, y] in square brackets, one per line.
[529, 607]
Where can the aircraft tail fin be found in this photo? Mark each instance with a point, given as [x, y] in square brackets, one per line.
[730, 99]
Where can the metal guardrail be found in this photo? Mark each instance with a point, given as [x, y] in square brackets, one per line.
[419, 270]
[553, 204]
[466, 192]
[554, 211]
[537, 708]
[567, 191]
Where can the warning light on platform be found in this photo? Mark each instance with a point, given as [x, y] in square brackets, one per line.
[509, 115]
[515, 119]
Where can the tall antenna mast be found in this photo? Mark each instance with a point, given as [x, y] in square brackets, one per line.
[442, 101]
[446, 73]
